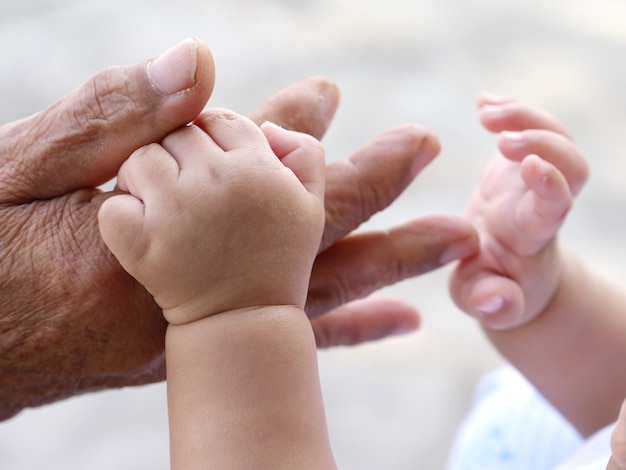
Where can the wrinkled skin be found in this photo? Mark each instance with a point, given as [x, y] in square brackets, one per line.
[72, 320]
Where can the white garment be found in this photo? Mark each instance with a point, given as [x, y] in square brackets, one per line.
[593, 454]
[511, 427]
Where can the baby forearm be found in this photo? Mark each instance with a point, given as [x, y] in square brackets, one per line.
[249, 378]
[574, 352]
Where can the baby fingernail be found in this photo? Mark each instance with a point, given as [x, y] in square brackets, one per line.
[491, 306]
[328, 103]
[270, 124]
[493, 110]
[492, 97]
[512, 137]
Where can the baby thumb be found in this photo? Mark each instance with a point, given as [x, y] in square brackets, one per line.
[120, 219]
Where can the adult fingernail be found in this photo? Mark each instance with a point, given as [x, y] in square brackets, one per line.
[429, 148]
[329, 99]
[458, 250]
[405, 328]
[175, 70]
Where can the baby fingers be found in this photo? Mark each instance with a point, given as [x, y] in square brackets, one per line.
[499, 114]
[495, 300]
[542, 209]
[618, 442]
[552, 147]
[301, 153]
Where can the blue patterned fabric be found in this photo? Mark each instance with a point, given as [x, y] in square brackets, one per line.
[511, 427]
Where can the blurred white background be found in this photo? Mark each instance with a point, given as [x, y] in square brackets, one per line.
[393, 404]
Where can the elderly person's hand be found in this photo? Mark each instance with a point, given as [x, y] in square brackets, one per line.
[72, 320]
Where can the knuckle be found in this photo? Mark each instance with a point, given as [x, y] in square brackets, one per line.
[102, 99]
[326, 297]
[349, 205]
[370, 198]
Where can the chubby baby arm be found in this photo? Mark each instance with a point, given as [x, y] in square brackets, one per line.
[221, 223]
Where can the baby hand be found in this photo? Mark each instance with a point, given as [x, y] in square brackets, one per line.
[526, 191]
[618, 442]
[221, 215]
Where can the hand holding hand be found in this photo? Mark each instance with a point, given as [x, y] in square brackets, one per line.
[220, 216]
[62, 286]
[71, 319]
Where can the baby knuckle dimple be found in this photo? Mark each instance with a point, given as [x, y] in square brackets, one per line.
[144, 153]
